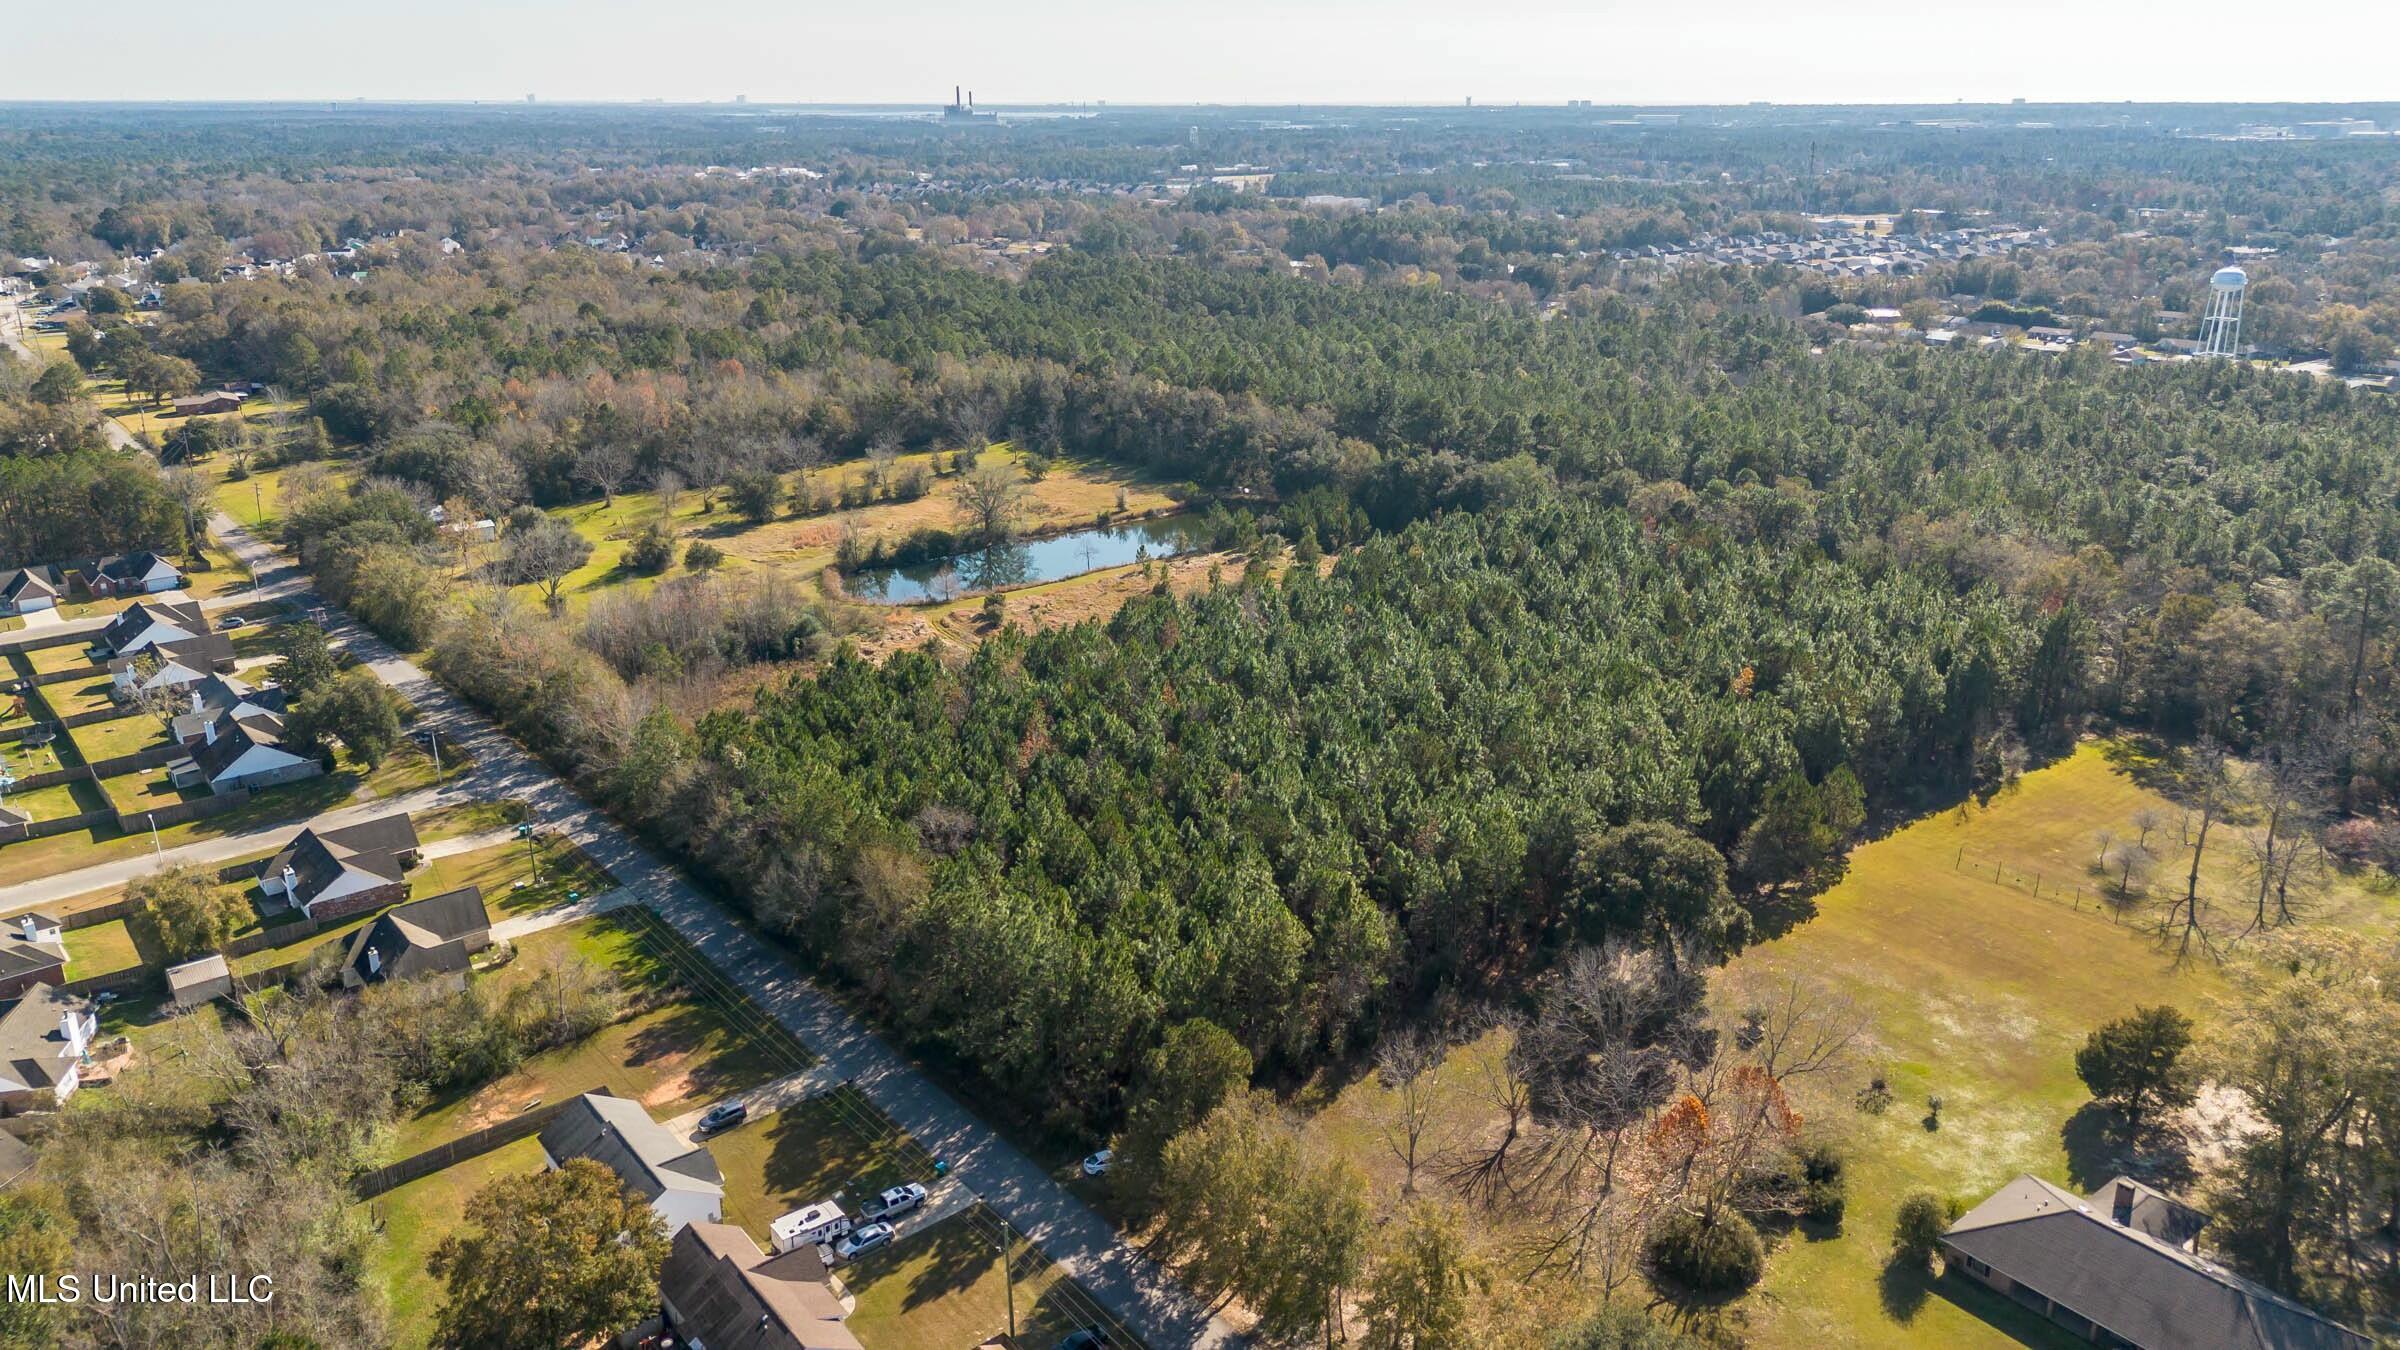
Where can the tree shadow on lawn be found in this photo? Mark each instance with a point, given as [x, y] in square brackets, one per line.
[2100, 1148]
[1903, 1288]
[955, 1256]
[695, 1043]
[2150, 762]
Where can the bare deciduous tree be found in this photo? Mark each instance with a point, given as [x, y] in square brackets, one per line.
[1409, 1064]
[607, 465]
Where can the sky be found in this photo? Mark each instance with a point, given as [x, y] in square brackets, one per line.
[1226, 51]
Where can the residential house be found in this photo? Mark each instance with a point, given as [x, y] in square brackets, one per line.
[180, 665]
[2123, 342]
[127, 574]
[327, 874]
[45, 1039]
[145, 623]
[213, 401]
[2121, 1267]
[214, 695]
[680, 1180]
[434, 937]
[236, 754]
[27, 589]
[33, 950]
[722, 1293]
[481, 530]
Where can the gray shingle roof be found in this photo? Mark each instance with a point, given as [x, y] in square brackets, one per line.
[729, 1295]
[316, 857]
[621, 1136]
[2144, 1290]
[422, 937]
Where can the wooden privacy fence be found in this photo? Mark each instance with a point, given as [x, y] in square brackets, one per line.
[368, 1185]
[115, 982]
[179, 812]
[43, 829]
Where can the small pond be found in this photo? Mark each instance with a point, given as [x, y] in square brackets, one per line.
[1022, 563]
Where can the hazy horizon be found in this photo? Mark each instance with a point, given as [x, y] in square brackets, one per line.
[1239, 53]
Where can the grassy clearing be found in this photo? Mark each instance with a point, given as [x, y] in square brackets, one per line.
[257, 501]
[943, 1287]
[682, 1054]
[1044, 605]
[1979, 993]
[1073, 493]
[1976, 991]
[416, 1217]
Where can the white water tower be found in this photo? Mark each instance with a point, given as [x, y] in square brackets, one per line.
[2221, 330]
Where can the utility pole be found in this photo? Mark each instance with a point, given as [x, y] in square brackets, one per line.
[152, 817]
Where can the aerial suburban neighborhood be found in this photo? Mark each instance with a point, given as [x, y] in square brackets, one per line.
[835, 718]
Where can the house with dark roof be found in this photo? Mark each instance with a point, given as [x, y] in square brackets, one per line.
[327, 874]
[680, 1180]
[33, 950]
[214, 695]
[236, 753]
[436, 937]
[146, 623]
[45, 1037]
[174, 665]
[127, 574]
[27, 589]
[720, 1291]
[2122, 1267]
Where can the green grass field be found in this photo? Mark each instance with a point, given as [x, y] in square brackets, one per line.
[102, 949]
[1979, 993]
[135, 732]
[57, 801]
[451, 822]
[943, 1289]
[498, 868]
[1975, 990]
[416, 1217]
[52, 660]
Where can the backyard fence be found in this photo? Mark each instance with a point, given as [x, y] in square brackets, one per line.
[179, 812]
[368, 1185]
[96, 915]
[40, 639]
[115, 982]
[43, 829]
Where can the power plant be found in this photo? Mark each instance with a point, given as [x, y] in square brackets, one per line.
[962, 107]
